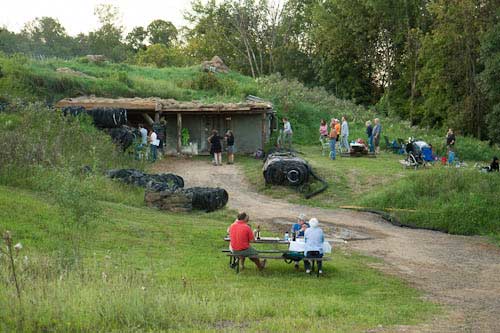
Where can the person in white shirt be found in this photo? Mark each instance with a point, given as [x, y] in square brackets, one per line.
[287, 133]
[344, 135]
[154, 143]
[314, 238]
[141, 142]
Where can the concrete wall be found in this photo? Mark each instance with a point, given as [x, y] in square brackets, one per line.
[247, 129]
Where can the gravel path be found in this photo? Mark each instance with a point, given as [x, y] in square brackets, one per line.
[460, 272]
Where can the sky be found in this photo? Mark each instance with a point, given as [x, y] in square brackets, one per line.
[78, 15]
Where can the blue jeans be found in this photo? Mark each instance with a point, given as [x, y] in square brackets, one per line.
[333, 153]
[370, 144]
[153, 153]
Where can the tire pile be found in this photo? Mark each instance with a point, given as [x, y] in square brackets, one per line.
[285, 168]
[123, 136]
[102, 117]
[166, 191]
[113, 120]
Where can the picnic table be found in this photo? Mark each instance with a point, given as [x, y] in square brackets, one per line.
[275, 254]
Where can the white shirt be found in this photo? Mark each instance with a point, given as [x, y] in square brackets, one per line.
[154, 140]
[144, 135]
[287, 128]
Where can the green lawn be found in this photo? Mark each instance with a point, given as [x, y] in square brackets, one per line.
[139, 270]
[348, 178]
[455, 200]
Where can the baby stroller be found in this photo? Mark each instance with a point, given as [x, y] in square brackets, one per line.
[415, 157]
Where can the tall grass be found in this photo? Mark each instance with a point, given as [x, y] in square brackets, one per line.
[459, 201]
[144, 270]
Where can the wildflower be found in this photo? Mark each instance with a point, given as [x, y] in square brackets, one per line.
[143, 288]
[18, 247]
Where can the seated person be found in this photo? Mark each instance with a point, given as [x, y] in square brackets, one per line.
[494, 165]
[300, 226]
[451, 156]
[314, 239]
[240, 235]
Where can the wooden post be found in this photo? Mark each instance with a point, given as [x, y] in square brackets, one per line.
[148, 119]
[179, 132]
[264, 130]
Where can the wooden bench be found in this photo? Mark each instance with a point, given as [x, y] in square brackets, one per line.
[234, 259]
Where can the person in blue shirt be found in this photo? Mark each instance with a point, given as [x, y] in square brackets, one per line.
[300, 226]
[314, 239]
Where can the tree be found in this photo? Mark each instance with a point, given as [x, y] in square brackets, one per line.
[162, 32]
[107, 40]
[47, 36]
[136, 38]
[156, 54]
[490, 78]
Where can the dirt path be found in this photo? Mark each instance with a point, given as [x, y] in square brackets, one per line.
[460, 272]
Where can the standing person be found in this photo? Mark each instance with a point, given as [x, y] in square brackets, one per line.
[216, 147]
[160, 134]
[376, 134]
[323, 129]
[369, 131]
[287, 133]
[230, 146]
[240, 235]
[153, 143]
[450, 138]
[333, 135]
[143, 141]
[344, 136]
[314, 239]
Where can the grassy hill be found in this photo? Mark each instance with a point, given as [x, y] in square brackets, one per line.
[39, 80]
[135, 269]
[96, 259]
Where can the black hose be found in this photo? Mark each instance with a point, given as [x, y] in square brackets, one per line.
[322, 189]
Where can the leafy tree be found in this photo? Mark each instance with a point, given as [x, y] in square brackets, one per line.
[136, 38]
[162, 32]
[47, 36]
[490, 78]
[107, 40]
[156, 54]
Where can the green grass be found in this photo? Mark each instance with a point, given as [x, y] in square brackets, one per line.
[137, 269]
[349, 179]
[459, 201]
[38, 80]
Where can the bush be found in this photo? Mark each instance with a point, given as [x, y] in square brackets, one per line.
[36, 138]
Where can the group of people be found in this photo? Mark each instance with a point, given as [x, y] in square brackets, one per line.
[339, 133]
[241, 235]
[215, 141]
[150, 138]
[155, 141]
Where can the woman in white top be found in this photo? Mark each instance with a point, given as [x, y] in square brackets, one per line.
[314, 239]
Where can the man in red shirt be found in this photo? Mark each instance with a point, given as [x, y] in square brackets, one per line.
[241, 235]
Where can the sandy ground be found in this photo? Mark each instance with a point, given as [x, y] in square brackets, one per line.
[462, 273]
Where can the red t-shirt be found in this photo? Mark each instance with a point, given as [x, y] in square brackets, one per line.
[240, 235]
